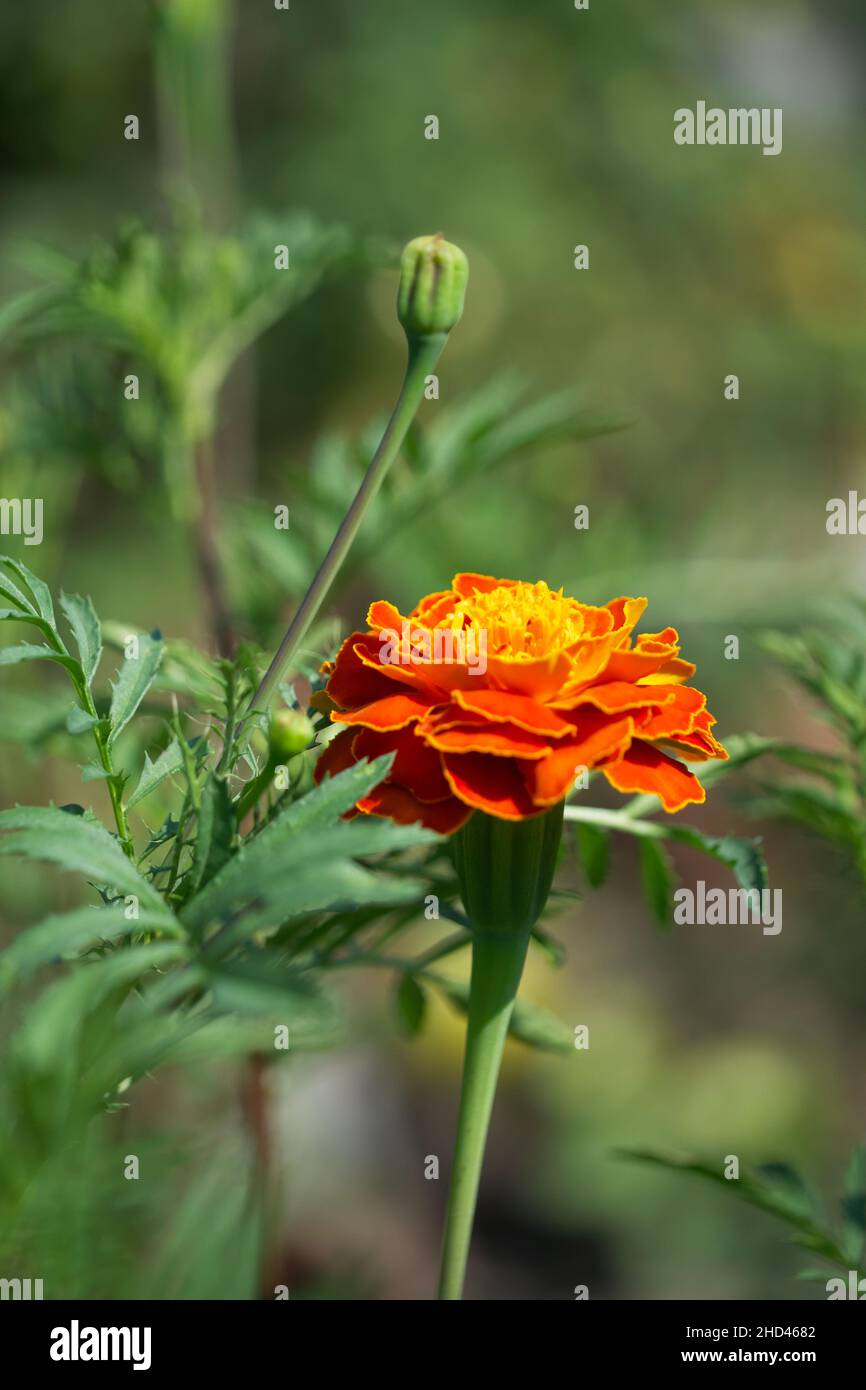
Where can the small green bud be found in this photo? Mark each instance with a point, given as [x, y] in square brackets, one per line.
[290, 732]
[433, 276]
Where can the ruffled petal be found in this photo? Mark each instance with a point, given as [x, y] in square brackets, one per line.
[467, 584]
[416, 766]
[650, 652]
[598, 738]
[681, 705]
[352, 681]
[480, 736]
[493, 785]
[398, 804]
[395, 711]
[506, 707]
[613, 697]
[645, 768]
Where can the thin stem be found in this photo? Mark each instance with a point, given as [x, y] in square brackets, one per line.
[423, 356]
[207, 554]
[497, 965]
[115, 789]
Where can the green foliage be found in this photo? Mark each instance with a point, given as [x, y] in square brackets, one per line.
[779, 1190]
[742, 855]
[828, 798]
[207, 933]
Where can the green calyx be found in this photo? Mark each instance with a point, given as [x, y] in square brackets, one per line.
[506, 869]
[433, 276]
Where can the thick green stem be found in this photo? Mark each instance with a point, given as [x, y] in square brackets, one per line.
[497, 965]
[424, 353]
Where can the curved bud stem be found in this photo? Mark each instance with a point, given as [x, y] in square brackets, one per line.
[424, 353]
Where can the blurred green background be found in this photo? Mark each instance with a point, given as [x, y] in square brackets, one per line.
[556, 129]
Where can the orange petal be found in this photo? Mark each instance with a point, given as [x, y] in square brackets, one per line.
[540, 678]
[416, 766]
[383, 614]
[674, 670]
[480, 736]
[414, 675]
[394, 711]
[434, 608]
[505, 706]
[682, 705]
[700, 743]
[352, 681]
[465, 585]
[650, 652]
[612, 697]
[644, 768]
[400, 805]
[493, 785]
[598, 738]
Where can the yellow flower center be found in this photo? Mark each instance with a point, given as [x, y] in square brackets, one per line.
[528, 621]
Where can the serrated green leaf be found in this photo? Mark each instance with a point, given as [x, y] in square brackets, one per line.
[78, 721]
[38, 588]
[24, 605]
[303, 860]
[169, 762]
[94, 772]
[214, 834]
[787, 1189]
[262, 987]
[742, 855]
[29, 651]
[55, 1019]
[65, 935]
[81, 616]
[777, 1189]
[334, 795]
[74, 842]
[134, 679]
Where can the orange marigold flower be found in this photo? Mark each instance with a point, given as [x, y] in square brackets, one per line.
[493, 694]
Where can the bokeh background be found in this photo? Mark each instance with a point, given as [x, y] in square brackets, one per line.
[556, 128]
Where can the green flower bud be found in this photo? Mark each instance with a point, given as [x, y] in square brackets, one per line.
[290, 732]
[433, 275]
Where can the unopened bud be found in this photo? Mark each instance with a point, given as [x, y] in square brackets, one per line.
[290, 732]
[433, 276]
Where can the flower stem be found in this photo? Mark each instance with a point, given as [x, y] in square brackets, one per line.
[113, 783]
[424, 352]
[497, 965]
